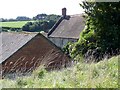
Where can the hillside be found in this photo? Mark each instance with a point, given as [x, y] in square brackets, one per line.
[20, 21]
[14, 24]
[103, 74]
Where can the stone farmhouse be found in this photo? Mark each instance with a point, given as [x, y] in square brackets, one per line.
[67, 29]
[24, 52]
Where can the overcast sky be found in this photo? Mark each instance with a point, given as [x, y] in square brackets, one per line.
[30, 8]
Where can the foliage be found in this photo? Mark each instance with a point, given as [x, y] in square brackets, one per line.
[31, 26]
[10, 29]
[53, 17]
[101, 33]
[40, 17]
[103, 74]
[67, 48]
[38, 26]
[19, 18]
[22, 18]
[46, 17]
[37, 17]
[41, 22]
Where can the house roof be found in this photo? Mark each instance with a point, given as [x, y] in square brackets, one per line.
[24, 52]
[11, 42]
[69, 28]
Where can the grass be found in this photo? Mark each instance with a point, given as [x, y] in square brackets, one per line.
[95, 75]
[14, 24]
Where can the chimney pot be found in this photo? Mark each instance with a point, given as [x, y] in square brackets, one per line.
[64, 12]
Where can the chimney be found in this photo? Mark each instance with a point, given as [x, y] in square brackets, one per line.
[64, 12]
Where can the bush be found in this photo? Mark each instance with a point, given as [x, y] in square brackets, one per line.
[38, 26]
[21, 82]
[101, 33]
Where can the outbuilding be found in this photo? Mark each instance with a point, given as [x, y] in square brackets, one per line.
[24, 52]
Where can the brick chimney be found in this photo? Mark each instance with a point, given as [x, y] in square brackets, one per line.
[64, 12]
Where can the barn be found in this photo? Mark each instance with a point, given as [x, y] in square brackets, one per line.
[24, 52]
[67, 29]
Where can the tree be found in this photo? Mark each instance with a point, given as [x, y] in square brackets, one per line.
[26, 27]
[22, 18]
[38, 26]
[102, 32]
[40, 17]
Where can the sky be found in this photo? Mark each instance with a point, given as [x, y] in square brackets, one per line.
[30, 8]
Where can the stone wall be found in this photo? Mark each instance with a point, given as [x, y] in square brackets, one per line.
[61, 42]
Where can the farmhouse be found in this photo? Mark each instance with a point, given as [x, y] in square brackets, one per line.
[67, 29]
[24, 52]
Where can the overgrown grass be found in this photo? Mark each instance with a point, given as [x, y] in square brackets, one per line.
[103, 74]
[14, 24]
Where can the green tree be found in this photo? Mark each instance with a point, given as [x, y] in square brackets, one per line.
[38, 26]
[102, 31]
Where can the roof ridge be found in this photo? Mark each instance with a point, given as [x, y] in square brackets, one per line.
[25, 42]
[21, 32]
[55, 26]
[70, 27]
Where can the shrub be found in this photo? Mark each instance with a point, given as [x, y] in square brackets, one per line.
[101, 33]
[38, 26]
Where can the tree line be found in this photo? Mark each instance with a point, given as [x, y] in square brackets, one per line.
[38, 26]
[42, 22]
[37, 17]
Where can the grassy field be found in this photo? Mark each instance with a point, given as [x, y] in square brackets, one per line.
[14, 24]
[96, 75]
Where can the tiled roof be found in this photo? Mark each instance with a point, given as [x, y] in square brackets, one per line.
[11, 42]
[24, 52]
[69, 28]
